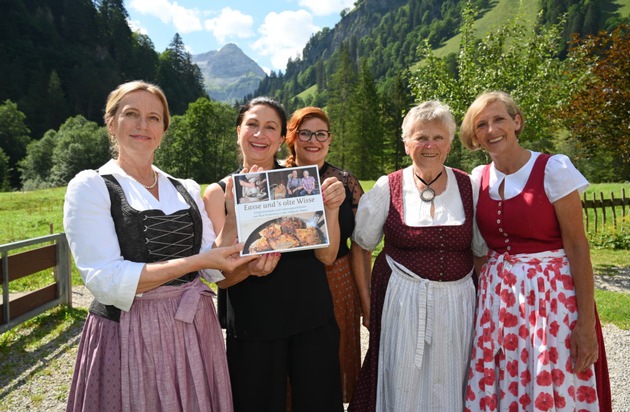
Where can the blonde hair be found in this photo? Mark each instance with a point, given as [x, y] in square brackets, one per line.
[467, 131]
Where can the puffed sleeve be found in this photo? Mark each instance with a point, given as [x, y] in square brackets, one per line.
[355, 189]
[371, 215]
[562, 178]
[94, 244]
[208, 237]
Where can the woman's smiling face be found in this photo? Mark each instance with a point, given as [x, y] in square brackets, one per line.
[312, 152]
[428, 143]
[260, 135]
[138, 124]
[495, 129]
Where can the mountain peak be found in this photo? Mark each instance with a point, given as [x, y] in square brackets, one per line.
[228, 73]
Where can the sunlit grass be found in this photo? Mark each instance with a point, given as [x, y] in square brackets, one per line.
[613, 307]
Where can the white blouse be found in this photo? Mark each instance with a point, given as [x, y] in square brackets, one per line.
[449, 210]
[92, 236]
[561, 178]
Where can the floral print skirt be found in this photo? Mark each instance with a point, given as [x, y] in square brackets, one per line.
[521, 357]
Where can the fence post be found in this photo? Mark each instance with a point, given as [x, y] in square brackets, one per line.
[595, 211]
[63, 271]
[585, 209]
[614, 212]
[601, 197]
[623, 203]
[5, 287]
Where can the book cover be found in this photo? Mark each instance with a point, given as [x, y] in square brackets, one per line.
[280, 210]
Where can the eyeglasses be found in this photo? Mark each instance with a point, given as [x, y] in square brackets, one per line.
[320, 135]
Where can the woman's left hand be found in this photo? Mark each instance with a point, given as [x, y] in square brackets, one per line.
[333, 192]
[584, 349]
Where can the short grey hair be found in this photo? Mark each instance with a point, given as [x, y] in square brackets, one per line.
[426, 112]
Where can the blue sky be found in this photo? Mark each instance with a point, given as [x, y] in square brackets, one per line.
[268, 31]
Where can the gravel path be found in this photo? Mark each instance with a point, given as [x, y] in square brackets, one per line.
[37, 378]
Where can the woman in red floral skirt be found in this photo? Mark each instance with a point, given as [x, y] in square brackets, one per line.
[538, 342]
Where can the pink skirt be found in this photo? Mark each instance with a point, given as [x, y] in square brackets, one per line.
[166, 354]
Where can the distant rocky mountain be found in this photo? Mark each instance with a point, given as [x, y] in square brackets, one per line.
[228, 74]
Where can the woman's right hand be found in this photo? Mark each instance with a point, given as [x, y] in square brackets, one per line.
[227, 258]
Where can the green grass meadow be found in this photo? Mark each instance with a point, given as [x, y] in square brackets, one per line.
[27, 215]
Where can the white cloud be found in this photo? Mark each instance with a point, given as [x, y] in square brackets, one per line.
[185, 20]
[230, 23]
[284, 35]
[136, 26]
[326, 7]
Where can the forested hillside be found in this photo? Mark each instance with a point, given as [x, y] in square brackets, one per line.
[60, 58]
[387, 36]
[452, 50]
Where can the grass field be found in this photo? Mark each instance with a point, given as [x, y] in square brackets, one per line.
[28, 215]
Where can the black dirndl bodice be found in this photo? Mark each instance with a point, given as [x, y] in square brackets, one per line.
[151, 235]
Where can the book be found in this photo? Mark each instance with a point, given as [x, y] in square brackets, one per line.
[280, 210]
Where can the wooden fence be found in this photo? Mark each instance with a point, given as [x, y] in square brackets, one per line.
[599, 205]
[20, 307]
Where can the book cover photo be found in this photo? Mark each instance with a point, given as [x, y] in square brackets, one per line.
[280, 210]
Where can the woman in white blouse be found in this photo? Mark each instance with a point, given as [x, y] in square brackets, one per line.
[423, 295]
[141, 240]
[536, 332]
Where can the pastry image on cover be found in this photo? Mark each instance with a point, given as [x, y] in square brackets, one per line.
[280, 210]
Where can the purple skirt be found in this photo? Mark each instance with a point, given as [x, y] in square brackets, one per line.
[166, 354]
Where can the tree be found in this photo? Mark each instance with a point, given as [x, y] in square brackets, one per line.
[179, 77]
[57, 111]
[341, 89]
[518, 58]
[364, 138]
[14, 137]
[80, 145]
[4, 172]
[37, 164]
[597, 115]
[396, 102]
[201, 144]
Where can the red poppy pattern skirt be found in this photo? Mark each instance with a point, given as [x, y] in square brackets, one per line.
[521, 348]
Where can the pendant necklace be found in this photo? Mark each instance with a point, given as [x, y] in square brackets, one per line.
[427, 194]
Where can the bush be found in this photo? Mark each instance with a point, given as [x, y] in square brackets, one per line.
[611, 238]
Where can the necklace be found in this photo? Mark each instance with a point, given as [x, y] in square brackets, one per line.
[151, 186]
[427, 194]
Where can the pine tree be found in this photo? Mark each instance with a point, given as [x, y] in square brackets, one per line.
[341, 89]
[364, 137]
[179, 77]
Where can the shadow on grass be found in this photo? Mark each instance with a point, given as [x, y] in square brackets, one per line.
[29, 348]
[612, 278]
[609, 270]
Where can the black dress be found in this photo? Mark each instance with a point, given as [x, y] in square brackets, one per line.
[283, 325]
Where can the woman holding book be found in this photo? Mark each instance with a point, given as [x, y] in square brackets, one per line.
[142, 242]
[280, 324]
[308, 141]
